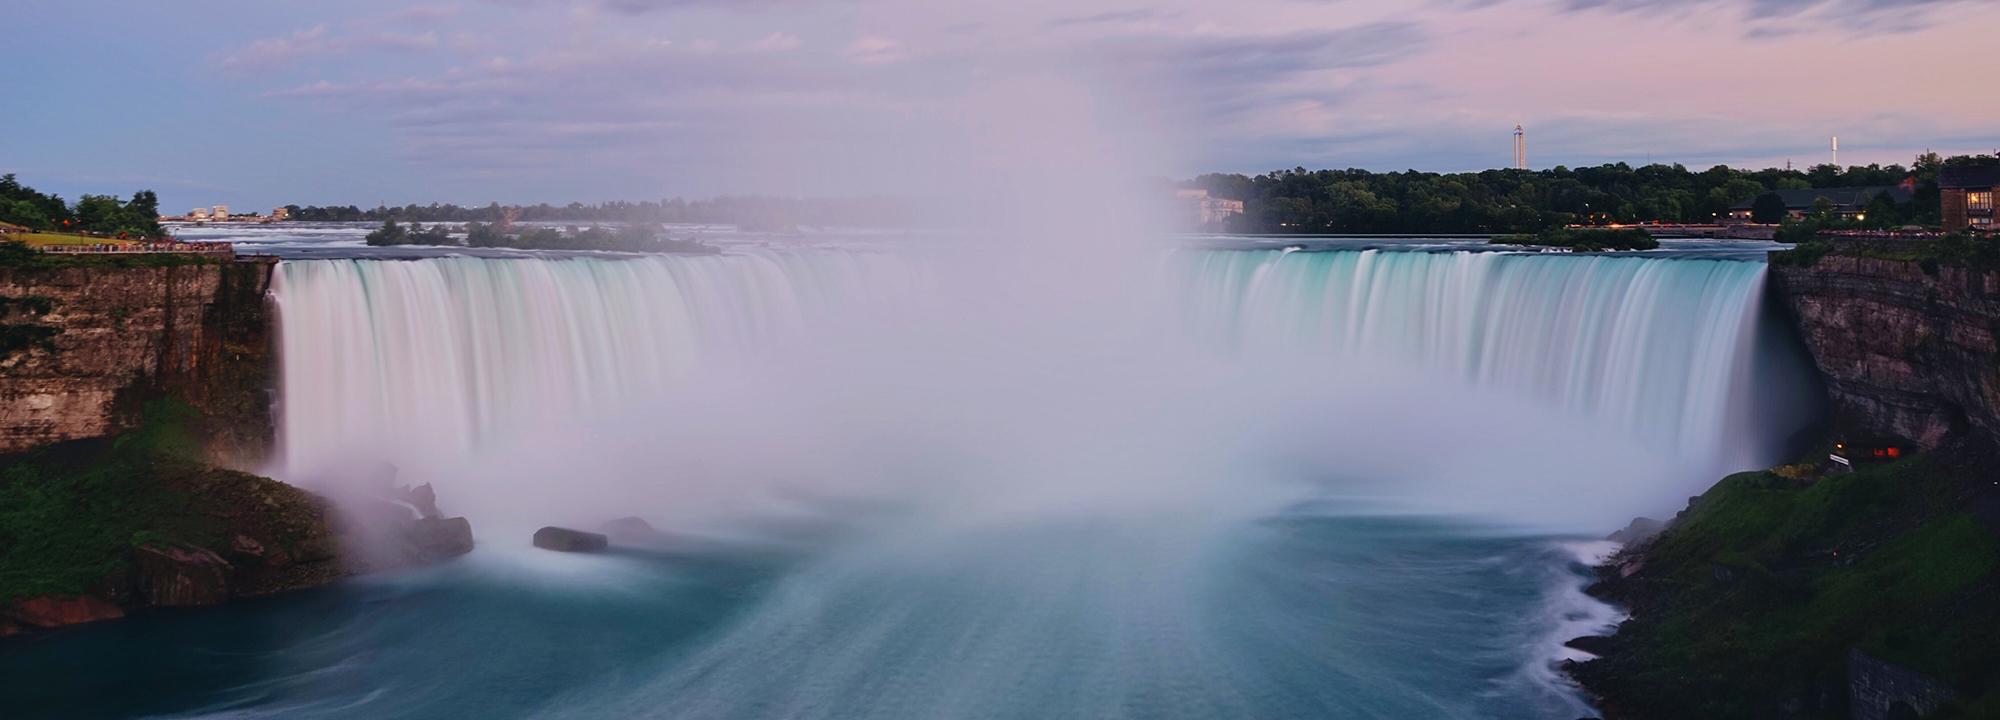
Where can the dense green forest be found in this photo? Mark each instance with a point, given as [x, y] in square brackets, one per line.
[23, 205]
[1530, 201]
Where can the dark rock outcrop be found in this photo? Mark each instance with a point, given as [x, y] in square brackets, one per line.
[166, 576]
[1907, 348]
[567, 540]
[424, 498]
[433, 538]
[632, 531]
[382, 535]
[1879, 690]
[50, 611]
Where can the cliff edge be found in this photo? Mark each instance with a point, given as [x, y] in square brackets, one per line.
[83, 346]
[1907, 346]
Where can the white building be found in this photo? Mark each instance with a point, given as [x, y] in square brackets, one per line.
[219, 212]
[1210, 210]
[198, 214]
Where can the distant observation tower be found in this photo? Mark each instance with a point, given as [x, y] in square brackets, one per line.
[1520, 148]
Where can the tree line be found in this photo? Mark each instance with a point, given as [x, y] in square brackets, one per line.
[750, 211]
[102, 214]
[1530, 201]
[633, 237]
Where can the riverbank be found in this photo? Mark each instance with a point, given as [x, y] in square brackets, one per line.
[1784, 594]
[98, 529]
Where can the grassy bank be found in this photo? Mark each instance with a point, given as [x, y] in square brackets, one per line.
[1956, 250]
[43, 239]
[71, 514]
[1749, 605]
[17, 254]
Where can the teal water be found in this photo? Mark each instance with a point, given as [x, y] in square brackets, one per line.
[1293, 615]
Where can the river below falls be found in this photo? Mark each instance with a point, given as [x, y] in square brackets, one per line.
[1311, 611]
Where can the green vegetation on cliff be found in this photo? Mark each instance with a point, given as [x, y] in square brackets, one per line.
[71, 514]
[1955, 250]
[16, 254]
[1748, 606]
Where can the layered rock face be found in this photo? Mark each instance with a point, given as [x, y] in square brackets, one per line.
[1905, 352]
[84, 345]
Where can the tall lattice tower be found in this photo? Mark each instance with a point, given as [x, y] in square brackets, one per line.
[1520, 148]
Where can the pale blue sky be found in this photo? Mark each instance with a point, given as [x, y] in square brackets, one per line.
[256, 104]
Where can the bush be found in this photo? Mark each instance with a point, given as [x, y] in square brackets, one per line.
[1802, 255]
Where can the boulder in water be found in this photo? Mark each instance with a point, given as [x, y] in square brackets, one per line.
[567, 540]
[632, 531]
[439, 538]
[424, 498]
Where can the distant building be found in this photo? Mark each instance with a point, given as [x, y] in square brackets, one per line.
[1208, 210]
[1848, 203]
[1520, 148]
[219, 212]
[198, 214]
[279, 214]
[1967, 194]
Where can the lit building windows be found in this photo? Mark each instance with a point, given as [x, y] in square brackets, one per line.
[1979, 200]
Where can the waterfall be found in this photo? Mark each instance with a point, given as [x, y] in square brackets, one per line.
[443, 352]
[1667, 348]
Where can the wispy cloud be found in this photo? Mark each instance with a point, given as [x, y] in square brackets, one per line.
[1110, 17]
[278, 52]
[876, 50]
[1780, 18]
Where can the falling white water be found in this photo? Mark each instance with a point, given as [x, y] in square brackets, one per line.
[450, 359]
[1664, 348]
[440, 354]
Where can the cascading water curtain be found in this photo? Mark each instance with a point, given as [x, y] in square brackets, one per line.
[1662, 346]
[443, 352]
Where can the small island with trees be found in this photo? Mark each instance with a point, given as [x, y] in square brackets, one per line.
[632, 238]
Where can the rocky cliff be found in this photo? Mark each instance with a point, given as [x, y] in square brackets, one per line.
[82, 348]
[1907, 347]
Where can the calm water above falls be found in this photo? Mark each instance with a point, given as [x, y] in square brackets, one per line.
[1339, 546]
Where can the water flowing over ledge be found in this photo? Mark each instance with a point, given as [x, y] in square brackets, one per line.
[442, 351]
[1667, 348]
